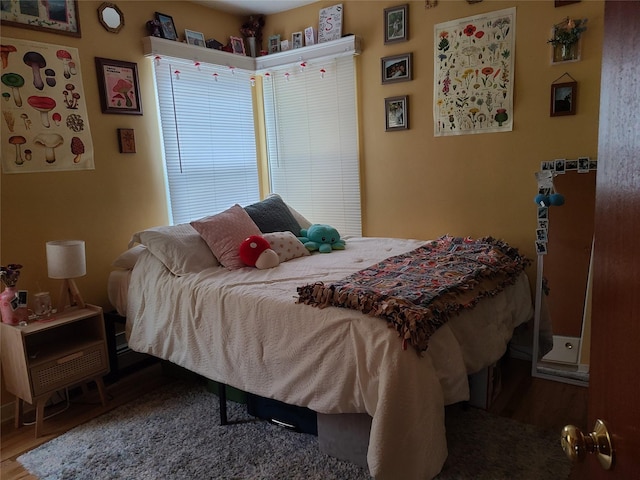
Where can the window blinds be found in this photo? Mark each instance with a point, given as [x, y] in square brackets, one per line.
[207, 123]
[312, 141]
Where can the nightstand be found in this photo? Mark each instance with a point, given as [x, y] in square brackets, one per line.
[52, 354]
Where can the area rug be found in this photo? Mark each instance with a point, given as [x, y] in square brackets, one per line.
[174, 434]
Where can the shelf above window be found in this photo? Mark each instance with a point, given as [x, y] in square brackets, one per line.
[155, 46]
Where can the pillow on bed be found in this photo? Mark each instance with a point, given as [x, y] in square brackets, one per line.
[273, 215]
[303, 222]
[128, 259]
[286, 245]
[179, 247]
[225, 232]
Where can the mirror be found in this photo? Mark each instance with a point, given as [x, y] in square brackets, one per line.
[110, 17]
[563, 286]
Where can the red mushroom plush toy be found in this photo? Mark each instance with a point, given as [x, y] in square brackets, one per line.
[255, 251]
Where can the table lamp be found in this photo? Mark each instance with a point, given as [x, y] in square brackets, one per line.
[66, 260]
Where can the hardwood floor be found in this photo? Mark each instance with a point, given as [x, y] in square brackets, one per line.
[535, 401]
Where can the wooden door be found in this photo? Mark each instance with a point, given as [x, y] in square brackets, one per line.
[614, 391]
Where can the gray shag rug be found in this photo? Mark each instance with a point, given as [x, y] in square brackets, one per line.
[174, 434]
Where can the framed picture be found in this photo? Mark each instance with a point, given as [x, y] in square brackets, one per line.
[563, 99]
[118, 86]
[194, 38]
[237, 45]
[396, 110]
[396, 68]
[396, 24]
[274, 44]
[167, 28]
[126, 140]
[309, 36]
[284, 45]
[296, 40]
[60, 16]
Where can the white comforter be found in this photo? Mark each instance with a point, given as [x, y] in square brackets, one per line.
[244, 328]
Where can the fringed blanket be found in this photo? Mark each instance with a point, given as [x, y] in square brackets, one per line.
[418, 291]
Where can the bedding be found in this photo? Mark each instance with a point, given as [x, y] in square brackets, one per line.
[244, 327]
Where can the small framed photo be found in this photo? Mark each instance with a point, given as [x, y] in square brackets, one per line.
[284, 45]
[237, 45]
[396, 68]
[396, 24]
[309, 36]
[274, 44]
[396, 111]
[126, 140]
[167, 27]
[61, 17]
[296, 40]
[118, 86]
[194, 38]
[563, 99]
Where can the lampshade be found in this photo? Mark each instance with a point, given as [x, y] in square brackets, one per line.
[66, 259]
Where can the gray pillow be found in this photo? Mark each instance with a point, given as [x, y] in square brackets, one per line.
[273, 215]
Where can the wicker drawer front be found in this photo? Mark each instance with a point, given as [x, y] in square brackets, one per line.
[60, 373]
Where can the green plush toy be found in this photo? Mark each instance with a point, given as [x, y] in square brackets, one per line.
[321, 237]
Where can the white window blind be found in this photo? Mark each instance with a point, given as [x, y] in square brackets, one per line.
[209, 138]
[312, 141]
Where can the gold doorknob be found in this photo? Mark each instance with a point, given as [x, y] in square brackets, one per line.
[576, 444]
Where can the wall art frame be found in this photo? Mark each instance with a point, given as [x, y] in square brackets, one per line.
[297, 40]
[194, 38]
[118, 86]
[396, 24]
[126, 140]
[167, 27]
[63, 19]
[396, 68]
[563, 99]
[396, 112]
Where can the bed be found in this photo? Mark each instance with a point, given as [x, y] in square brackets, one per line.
[246, 327]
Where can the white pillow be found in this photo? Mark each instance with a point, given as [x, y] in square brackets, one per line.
[128, 259]
[179, 247]
[286, 245]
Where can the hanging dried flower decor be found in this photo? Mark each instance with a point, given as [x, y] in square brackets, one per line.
[566, 38]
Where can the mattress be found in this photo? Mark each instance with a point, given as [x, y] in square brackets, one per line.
[245, 328]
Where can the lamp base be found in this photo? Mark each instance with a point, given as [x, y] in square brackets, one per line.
[69, 291]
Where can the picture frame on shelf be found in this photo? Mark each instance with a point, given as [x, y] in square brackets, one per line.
[309, 36]
[285, 45]
[237, 45]
[296, 40]
[118, 86]
[330, 23]
[194, 38]
[563, 99]
[274, 44]
[396, 112]
[396, 68]
[396, 24]
[167, 27]
[60, 17]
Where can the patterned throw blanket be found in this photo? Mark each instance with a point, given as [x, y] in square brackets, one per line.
[418, 291]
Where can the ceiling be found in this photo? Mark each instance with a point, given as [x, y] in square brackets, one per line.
[248, 7]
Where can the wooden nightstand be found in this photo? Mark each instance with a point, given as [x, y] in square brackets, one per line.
[47, 356]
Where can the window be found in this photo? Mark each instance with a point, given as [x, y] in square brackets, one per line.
[312, 141]
[207, 124]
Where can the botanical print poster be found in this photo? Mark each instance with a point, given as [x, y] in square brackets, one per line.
[473, 85]
[45, 126]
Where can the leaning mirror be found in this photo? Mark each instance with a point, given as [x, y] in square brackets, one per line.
[110, 17]
[564, 243]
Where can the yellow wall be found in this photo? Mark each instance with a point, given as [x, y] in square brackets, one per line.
[413, 185]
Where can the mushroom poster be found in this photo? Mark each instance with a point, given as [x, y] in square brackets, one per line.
[45, 126]
[473, 67]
